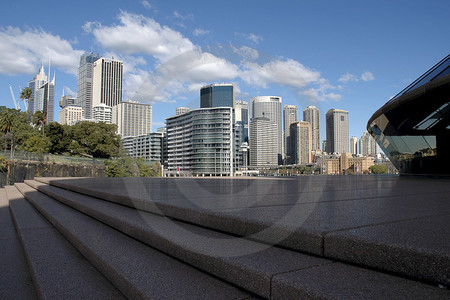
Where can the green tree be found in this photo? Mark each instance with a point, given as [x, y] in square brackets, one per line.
[122, 167]
[148, 170]
[378, 169]
[37, 143]
[39, 120]
[60, 138]
[25, 95]
[7, 120]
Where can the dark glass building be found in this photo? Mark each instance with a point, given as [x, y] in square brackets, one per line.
[413, 128]
[217, 95]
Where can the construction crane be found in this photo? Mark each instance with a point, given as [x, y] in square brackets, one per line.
[16, 105]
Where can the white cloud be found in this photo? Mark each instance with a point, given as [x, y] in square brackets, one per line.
[200, 32]
[348, 77]
[289, 72]
[23, 51]
[367, 76]
[68, 91]
[137, 34]
[183, 17]
[146, 4]
[251, 37]
[246, 53]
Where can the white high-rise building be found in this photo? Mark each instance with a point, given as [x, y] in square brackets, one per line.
[337, 131]
[132, 118]
[367, 145]
[85, 82]
[354, 145]
[301, 141]
[70, 114]
[107, 82]
[311, 115]
[263, 142]
[269, 107]
[182, 110]
[103, 113]
[35, 84]
[290, 113]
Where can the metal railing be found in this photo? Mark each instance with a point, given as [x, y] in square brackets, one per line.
[29, 156]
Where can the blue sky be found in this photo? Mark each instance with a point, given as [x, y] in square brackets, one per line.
[351, 55]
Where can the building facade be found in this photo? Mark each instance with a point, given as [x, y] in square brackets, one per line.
[290, 115]
[264, 149]
[35, 84]
[201, 143]
[241, 117]
[71, 114]
[85, 82]
[107, 82]
[132, 118]
[67, 100]
[182, 110]
[344, 163]
[103, 113]
[337, 131]
[217, 95]
[301, 143]
[311, 114]
[147, 146]
[354, 145]
[45, 100]
[269, 107]
[367, 145]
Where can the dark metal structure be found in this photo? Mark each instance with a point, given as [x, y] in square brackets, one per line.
[413, 128]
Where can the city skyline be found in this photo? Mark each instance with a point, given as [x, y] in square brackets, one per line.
[171, 49]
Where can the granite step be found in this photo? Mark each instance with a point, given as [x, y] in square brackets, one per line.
[15, 277]
[256, 267]
[58, 270]
[138, 271]
[361, 228]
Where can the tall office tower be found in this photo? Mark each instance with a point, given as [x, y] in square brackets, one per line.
[269, 107]
[45, 100]
[103, 113]
[132, 118]
[67, 100]
[263, 142]
[337, 131]
[354, 145]
[85, 80]
[217, 95]
[311, 115]
[301, 142]
[36, 83]
[182, 110]
[69, 115]
[290, 113]
[107, 82]
[201, 143]
[241, 118]
[367, 145]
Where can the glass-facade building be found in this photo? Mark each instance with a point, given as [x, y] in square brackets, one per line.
[217, 95]
[413, 128]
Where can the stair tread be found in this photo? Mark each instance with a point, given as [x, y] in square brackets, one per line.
[136, 269]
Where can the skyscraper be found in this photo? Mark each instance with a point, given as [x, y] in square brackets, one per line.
[35, 84]
[85, 80]
[263, 142]
[102, 113]
[354, 145]
[67, 100]
[70, 115]
[217, 95]
[241, 118]
[301, 142]
[367, 145]
[290, 113]
[107, 82]
[311, 115]
[132, 118]
[269, 107]
[337, 131]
